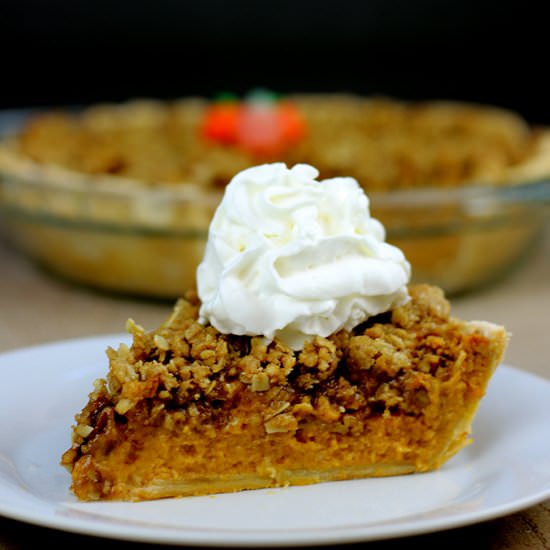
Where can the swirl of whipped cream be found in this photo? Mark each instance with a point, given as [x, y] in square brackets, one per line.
[291, 257]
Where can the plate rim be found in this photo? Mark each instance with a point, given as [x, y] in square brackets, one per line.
[50, 517]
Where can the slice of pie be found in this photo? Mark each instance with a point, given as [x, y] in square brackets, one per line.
[186, 410]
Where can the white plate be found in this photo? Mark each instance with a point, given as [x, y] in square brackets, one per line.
[507, 468]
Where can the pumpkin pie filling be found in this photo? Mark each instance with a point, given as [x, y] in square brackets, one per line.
[187, 410]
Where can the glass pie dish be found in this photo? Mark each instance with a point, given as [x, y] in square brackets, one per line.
[135, 236]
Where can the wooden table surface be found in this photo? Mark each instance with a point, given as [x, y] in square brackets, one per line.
[36, 307]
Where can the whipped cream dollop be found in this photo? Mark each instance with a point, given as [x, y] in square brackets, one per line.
[291, 257]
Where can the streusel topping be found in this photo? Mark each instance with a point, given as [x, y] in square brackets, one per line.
[395, 363]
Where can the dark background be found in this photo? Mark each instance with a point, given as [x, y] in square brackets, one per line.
[59, 52]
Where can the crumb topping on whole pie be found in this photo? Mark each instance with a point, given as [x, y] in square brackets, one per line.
[384, 143]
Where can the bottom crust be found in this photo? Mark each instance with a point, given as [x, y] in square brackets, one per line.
[235, 483]
[396, 397]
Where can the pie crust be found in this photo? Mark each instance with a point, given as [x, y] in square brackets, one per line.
[186, 410]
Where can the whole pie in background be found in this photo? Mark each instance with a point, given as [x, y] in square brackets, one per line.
[119, 196]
